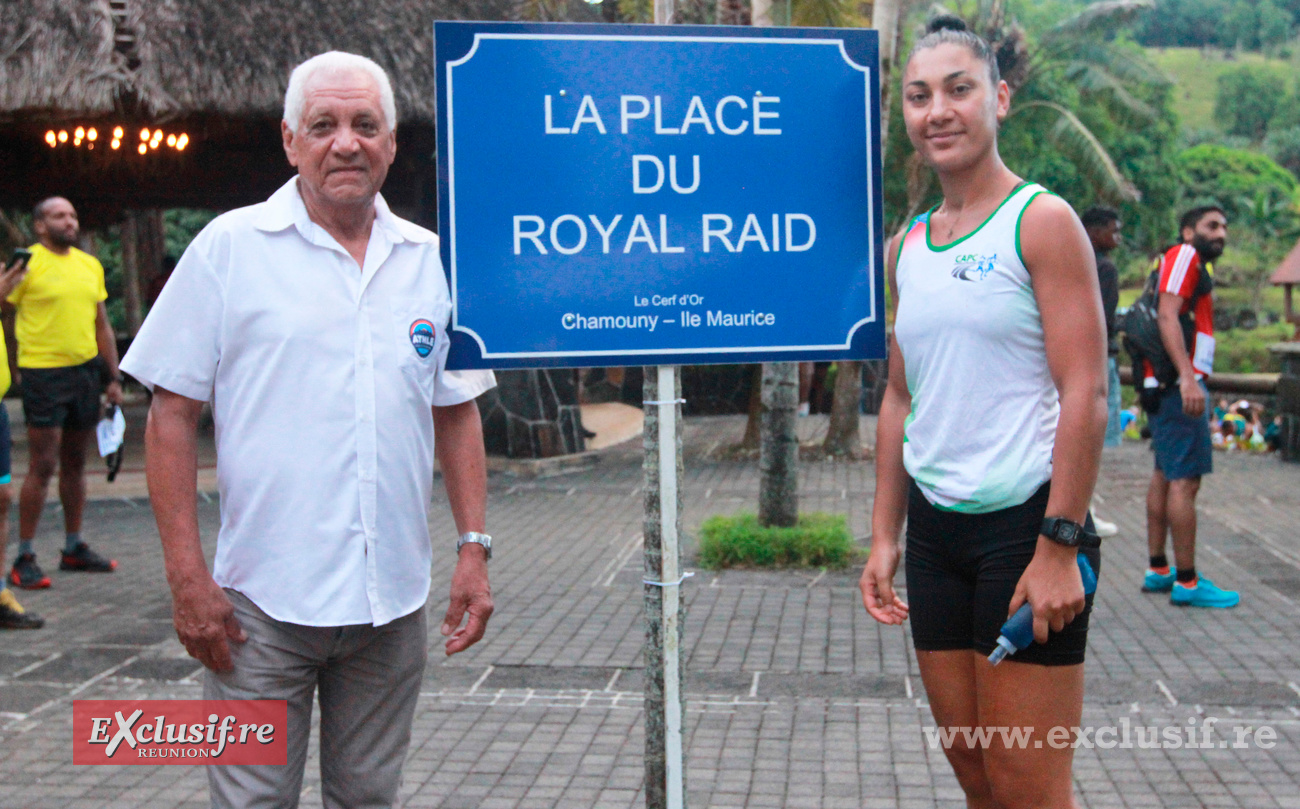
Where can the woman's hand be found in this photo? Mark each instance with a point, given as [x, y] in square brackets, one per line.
[877, 584]
[1053, 587]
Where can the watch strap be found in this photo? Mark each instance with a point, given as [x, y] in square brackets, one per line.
[1069, 533]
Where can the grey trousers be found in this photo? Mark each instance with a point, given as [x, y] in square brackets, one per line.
[368, 679]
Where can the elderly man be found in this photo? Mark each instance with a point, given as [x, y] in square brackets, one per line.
[315, 323]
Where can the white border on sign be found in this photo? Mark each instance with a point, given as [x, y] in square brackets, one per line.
[451, 197]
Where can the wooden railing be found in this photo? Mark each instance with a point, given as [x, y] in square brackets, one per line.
[1265, 384]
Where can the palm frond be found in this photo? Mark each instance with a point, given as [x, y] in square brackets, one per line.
[1071, 133]
[1130, 65]
[1093, 79]
[1098, 17]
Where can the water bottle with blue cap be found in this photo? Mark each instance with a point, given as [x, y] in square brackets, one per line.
[1018, 631]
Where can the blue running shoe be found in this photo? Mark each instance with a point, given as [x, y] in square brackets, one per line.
[1203, 594]
[1155, 582]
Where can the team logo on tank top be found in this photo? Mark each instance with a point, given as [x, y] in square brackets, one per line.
[423, 336]
[974, 267]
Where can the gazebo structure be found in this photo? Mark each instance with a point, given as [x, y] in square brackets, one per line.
[128, 107]
[1287, 275]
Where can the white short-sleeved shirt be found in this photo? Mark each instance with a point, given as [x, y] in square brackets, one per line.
[321, 378]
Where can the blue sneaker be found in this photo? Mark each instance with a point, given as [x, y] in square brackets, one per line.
[1155, 582]
[1203, 594]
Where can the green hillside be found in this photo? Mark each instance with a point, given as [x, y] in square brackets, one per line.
[1195, 73]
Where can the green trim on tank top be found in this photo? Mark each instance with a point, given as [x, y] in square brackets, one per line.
[950, 245]
[1021, 218]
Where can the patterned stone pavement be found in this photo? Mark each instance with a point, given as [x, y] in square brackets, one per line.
[795, 697]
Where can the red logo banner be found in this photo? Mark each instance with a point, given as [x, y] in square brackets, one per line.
[180, 731]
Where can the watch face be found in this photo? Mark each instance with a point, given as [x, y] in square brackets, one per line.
[1066, 531]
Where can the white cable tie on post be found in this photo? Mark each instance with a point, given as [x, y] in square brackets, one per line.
[683, 578]
[665, 402]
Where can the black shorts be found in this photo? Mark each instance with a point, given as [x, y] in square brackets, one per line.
[962, 570]
[67, 398]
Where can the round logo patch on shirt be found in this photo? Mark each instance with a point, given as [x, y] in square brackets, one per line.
[423, 335]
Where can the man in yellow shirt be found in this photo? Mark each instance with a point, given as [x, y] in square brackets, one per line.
[12, 614]
[65, 344]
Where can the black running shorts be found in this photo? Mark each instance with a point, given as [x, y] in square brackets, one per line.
[962, 570]
[67, 398]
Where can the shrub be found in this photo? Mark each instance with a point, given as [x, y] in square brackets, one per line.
[1245, 351]
[817, 540]
[1214, 170]
[1247, 100]
[1284, 147]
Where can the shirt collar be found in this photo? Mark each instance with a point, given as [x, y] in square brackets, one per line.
[285, 209]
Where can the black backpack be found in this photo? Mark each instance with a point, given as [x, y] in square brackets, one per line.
[1142, 341]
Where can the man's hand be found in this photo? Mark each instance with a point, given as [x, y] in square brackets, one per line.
[877, 584]
[1193, 395]
[205, 624]
[114, 392]
[11, 277]
[1053, 587]
[470, 593]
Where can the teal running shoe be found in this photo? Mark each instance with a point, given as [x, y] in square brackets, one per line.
[1155, 582]
[1204, 594]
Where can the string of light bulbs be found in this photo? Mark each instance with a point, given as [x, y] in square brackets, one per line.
[89, 137]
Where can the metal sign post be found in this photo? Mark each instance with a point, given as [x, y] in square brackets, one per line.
[665, 781]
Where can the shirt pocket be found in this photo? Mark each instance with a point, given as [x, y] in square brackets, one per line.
[418, 330]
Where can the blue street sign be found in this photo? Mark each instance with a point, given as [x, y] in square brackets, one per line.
[641, 195]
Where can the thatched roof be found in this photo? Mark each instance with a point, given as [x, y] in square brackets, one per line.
[234, 58]
[216, 69]
[227, 58]
[58, 55]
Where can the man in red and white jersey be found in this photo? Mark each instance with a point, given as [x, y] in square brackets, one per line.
[1180, 429]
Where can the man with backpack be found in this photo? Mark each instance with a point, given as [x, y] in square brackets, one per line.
[1171, 375]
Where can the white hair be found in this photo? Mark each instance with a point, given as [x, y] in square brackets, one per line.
[335, 61]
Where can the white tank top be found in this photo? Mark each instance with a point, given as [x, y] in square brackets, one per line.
[984, 407]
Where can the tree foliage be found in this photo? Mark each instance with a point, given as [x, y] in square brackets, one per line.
[1234, 178]
[1283, 145]
[1247, 24]
[1248, 99]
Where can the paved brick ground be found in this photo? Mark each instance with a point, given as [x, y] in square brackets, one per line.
[796, 698]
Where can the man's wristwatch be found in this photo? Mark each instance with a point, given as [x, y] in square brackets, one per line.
[476, 538]
[1068, 533]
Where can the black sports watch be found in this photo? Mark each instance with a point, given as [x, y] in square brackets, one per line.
[1068, 533]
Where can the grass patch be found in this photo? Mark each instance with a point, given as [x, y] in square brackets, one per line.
[1245, 351]
[1196, 72]
[818, 540]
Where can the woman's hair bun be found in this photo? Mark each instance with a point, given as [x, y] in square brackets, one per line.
[946, 22]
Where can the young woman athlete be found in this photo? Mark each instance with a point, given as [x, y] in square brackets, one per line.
[992, 421]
